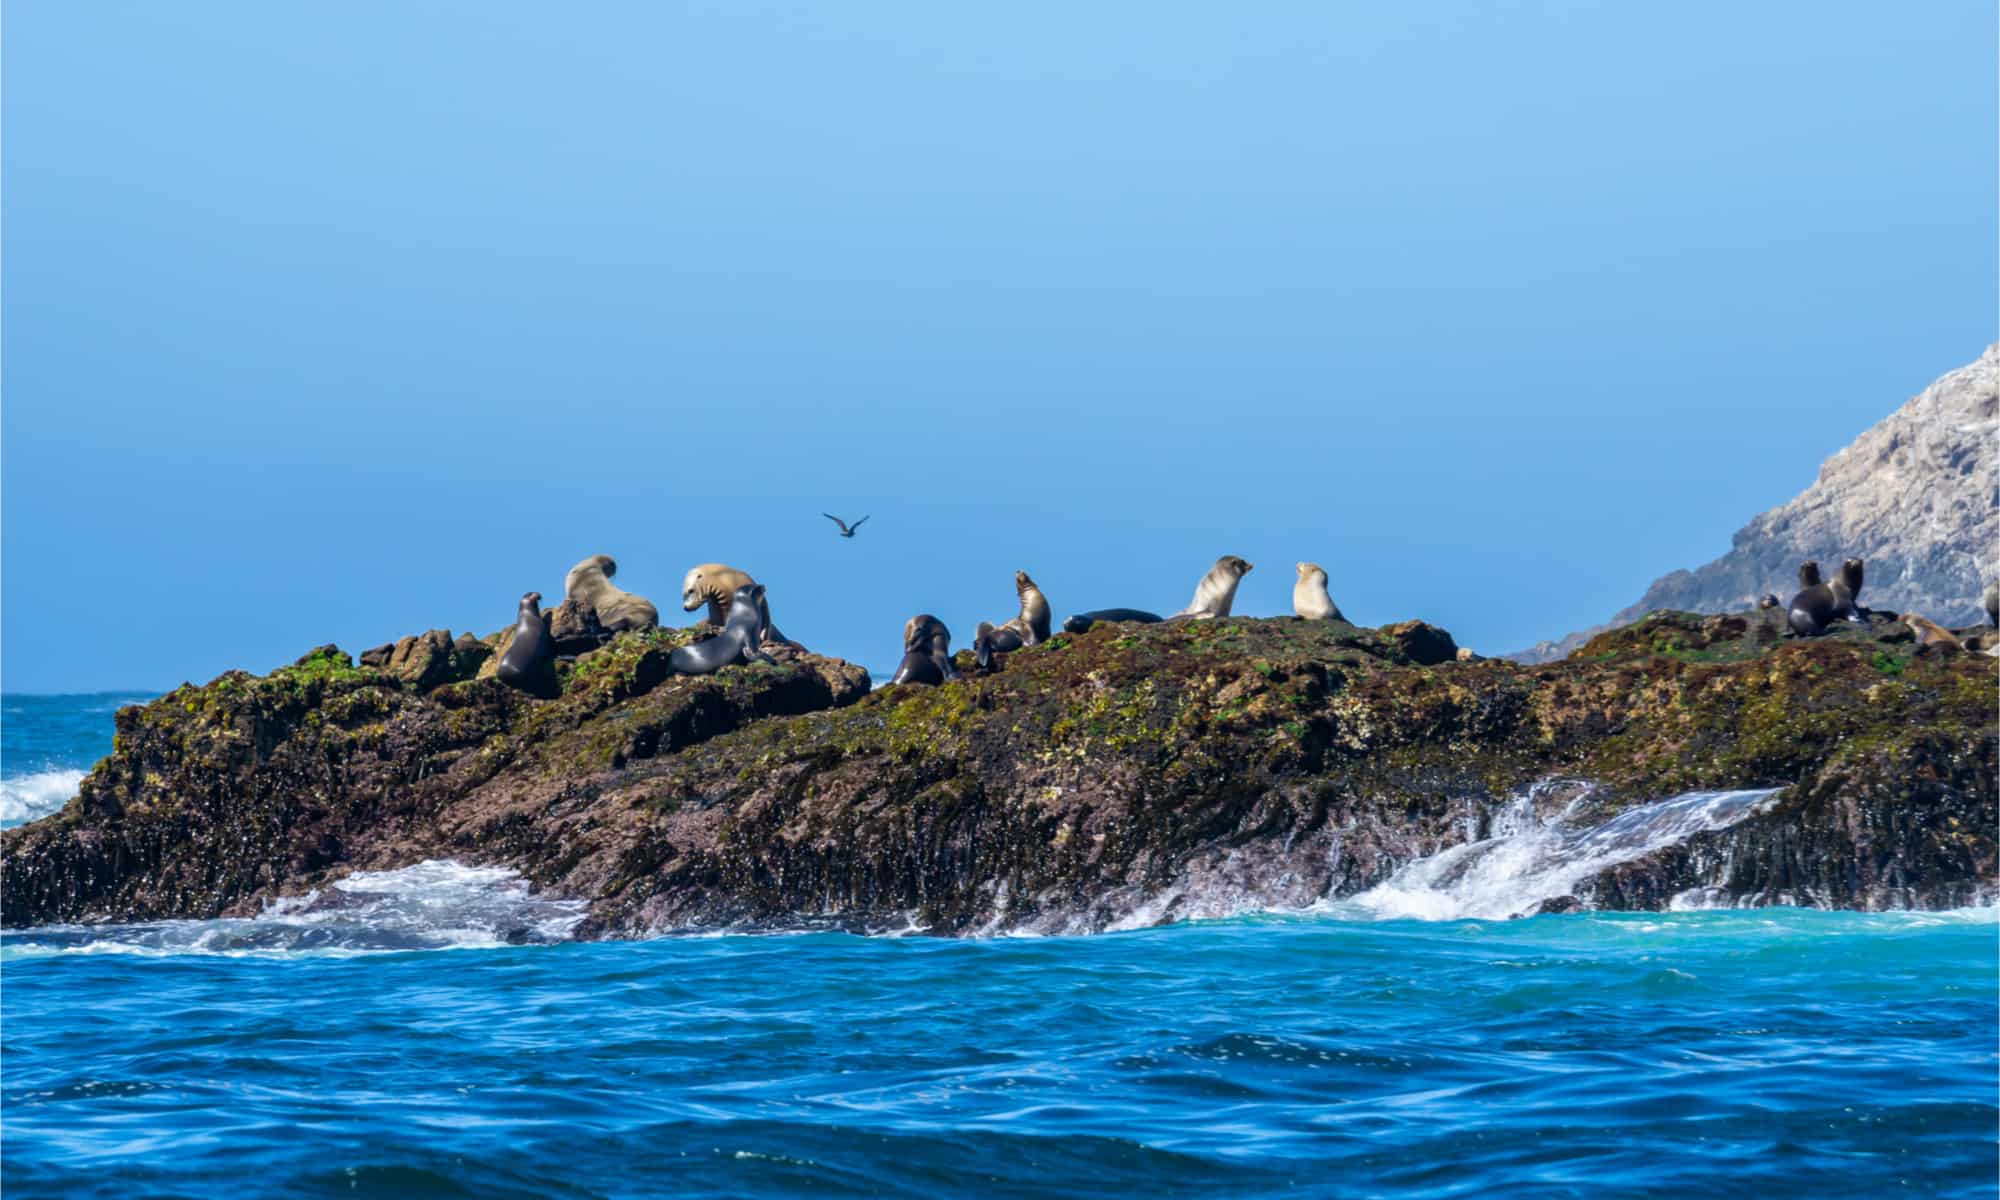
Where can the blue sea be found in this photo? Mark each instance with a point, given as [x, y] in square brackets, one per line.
[383, 1040]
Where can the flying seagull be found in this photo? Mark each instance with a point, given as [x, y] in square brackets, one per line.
[846, 530]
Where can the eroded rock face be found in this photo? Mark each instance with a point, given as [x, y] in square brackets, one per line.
[1123, 776]
[1913, 496]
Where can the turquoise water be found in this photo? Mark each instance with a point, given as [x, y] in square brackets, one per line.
[382, 1041]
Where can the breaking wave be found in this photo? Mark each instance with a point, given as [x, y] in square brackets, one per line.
[1528, 860]
[32, 797]
[434, 905]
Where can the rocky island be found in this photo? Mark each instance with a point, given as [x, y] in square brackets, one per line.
[1128, 775]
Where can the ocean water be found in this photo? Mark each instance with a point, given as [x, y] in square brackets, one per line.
[386, 1038]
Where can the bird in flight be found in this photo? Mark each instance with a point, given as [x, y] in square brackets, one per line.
[846, 530]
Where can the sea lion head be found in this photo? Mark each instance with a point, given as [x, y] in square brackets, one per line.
[531, 604]
[1234, 565]
[1809, 573]
[711, 583]
[920, 629]
[1770, 600]
[1850, 574]
[1021, 582]
[692, 595]
[1308, 570]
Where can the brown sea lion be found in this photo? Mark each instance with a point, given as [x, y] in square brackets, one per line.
[715, 584]
[1030, 627]
[589, 584]
[1931, 636]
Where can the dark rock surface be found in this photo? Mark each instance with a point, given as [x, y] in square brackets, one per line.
[1127, 775]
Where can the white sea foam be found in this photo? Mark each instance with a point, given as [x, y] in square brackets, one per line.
[434, 905]
[31, 797]
[1527, 860]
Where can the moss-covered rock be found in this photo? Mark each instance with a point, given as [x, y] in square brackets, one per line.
[1128, 773]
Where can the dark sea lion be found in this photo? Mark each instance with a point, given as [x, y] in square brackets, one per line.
[530, 660]
[739, 642]
[989, 641]
[927, 652]
[1216, 593]
[1083, 621]
[1847, 586]
[1029, 627]
[1770, 600]
[1819, 604]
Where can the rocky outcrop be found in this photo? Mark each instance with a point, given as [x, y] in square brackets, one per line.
[1914, 496]
[1127, 775]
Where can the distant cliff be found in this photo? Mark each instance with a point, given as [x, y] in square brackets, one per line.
[1915, 496]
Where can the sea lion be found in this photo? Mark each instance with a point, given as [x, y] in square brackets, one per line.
[1992, 603]
[1849, 581]
[927, 652]
[714, 584]
[1309, 596]
[1083, 621]
[1030, 627]
[1931, 636]
[589, 584]
[1216, 592]
[529, 663]
[1819, 604]
[739, 642]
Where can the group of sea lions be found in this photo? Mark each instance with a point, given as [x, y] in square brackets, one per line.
[927, 642]
[740, 610]
[736, 605]
[1821, 604]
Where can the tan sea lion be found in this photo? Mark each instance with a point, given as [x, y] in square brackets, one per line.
[1931, 636]
[1216, 592]
[1309, 596]
[1992, 602]
[716, 584]
[589, 584]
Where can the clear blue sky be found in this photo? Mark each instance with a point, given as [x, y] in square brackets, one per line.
[338, 322]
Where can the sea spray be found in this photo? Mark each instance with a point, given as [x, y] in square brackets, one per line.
[433, 905]
[34, 796]
[1526, 859]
